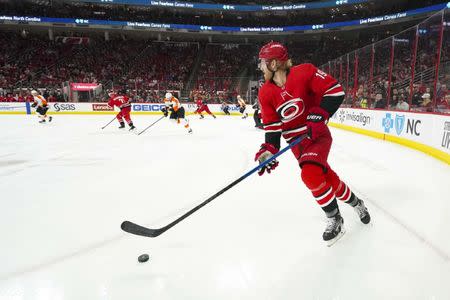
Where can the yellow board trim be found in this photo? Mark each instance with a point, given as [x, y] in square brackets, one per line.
[441, 155]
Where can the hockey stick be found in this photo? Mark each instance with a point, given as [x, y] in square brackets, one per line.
[151, 125]
[141, 230]
[108, 123]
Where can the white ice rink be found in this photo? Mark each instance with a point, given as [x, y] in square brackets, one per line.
[67, 186]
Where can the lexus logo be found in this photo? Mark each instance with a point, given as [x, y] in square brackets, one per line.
[291, 109]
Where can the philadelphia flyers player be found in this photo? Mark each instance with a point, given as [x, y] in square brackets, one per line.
[242, 106]
[41, 106]
[299, 100]
[177, 112]
[122, 101]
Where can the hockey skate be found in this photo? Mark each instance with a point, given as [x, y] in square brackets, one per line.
[132, 127]
[50, 118]
[42, 121]
[202, 117]
[362, 212]
[334, 230]
[214, 116]
[122, 126]
[190, 130]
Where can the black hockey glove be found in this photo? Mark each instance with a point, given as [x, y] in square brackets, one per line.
[164, 111]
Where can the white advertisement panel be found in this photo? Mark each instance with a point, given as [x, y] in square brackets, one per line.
[140, 108]
[14, 107]
[425, 128]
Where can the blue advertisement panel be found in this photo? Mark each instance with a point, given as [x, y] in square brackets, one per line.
[218, 6]
[371, 20]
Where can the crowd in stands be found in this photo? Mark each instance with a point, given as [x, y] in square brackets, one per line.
[61, 9]
[380, 75]
[148, 68]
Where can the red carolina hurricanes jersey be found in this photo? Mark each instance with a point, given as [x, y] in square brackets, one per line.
[284, 109]
[199, 103]
[119, 101]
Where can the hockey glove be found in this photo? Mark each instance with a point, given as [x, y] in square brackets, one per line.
[266, 152]
[317, 123]
[165, 111]
[34, 104]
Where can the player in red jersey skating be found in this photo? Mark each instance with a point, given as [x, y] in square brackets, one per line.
[202, 105]
[299, 100]
[122, 101]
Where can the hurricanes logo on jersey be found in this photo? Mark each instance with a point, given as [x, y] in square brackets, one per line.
[291, 109]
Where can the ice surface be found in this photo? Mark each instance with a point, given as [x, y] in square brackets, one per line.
[67, 186]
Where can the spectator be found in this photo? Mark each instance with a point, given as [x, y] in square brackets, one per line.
[416, 98]
[379, 101]
[402, 105]
[426, 102]
[442, 92]
[444, 104]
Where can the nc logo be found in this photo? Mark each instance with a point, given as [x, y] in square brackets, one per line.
[388, 123]
[399, 123]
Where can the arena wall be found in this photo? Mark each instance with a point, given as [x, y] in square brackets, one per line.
[426, 132]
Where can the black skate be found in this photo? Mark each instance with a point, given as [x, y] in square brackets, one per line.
[42, 121]
[202, 117]
[334, 230]
[122, 125]
[214, 116]
[50, 118]
[132, 127]
[362, 212]
[190, 130]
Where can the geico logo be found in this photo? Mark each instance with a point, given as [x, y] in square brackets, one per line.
[147, 107]
[63, 106]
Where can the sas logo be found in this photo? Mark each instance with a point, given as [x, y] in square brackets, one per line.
[63, 106]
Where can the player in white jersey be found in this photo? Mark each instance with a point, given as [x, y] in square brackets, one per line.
[41, 106]
[242, 106]
[177, 112]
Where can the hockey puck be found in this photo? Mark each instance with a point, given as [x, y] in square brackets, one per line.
[143, 258]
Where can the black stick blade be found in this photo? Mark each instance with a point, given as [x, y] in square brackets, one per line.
[136, 229]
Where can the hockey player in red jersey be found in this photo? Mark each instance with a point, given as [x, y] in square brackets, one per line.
[299, 100]
[202, 105]
[122, 101]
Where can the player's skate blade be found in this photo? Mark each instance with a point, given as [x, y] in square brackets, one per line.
[334, 230]
[362, 212]
[336, 238]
